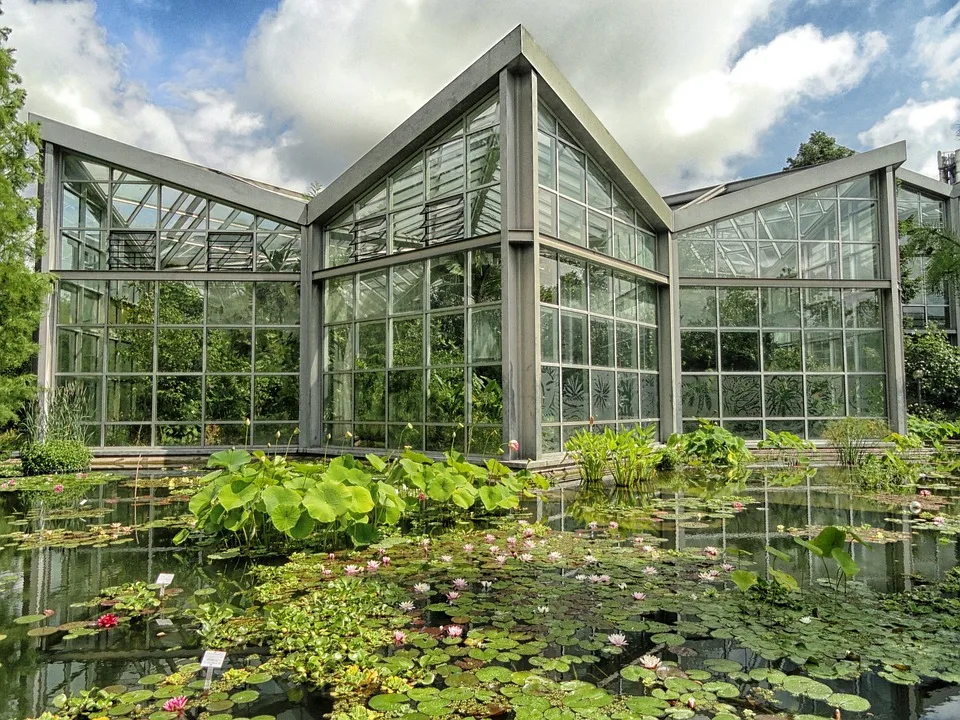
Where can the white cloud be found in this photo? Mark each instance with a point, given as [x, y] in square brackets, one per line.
[323, 81]
[936, 46]
[926, 126]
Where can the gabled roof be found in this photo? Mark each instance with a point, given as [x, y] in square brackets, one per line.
[517, 49]
[249, 194]
[928, 184]
[755, 192]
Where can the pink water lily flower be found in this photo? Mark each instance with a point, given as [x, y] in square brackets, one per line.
[421, 588]
[399, 637]
[650, 662]
[446, 558]
[639, 596]
[58, 488]
[592, 526]
[385, 560]
[351, 570]
[514, 445]
[373, 566]
[737, 506]
[489, 538]
[925, 493]
[649, 570]
[554, 556]
[460, 583]
[407, 606]
[176, 705]
[452, 595]
[939, 521]
[468, 548]
[526, 557]
[454, 631]
[613, 525]
[105, 622]
[710, 551]
[501, 559]
[528, 532]
[617, 640]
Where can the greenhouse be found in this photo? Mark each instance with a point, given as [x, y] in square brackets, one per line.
[495, 269]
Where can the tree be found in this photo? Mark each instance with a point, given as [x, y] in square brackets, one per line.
[24, 291]
[818, 149]
[932, 366]
[941, 247]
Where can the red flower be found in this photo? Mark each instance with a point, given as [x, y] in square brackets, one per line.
[175, 704]
[105, 622]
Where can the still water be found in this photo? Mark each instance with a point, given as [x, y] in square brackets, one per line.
[56, 578]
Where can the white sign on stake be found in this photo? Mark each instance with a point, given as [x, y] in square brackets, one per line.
[164, 622]
[213, 659]
[164, 579]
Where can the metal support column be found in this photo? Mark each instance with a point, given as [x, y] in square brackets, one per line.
[520, 262]
[47, 218]
[310, 339]
[890, 301]
[668, 328]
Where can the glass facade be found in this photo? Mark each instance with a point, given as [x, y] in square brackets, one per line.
[780, 358]
[928, 306]
[579, 204]
[832, 233]
[182, 363]
[598, 349]
[111, 219]
[412, 355]
[448, 191]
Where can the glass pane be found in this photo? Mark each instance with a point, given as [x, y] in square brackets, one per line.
[700, 396]
[573, 393]
[820, 260]
[861, 187]
[646, 250]
[227, 398]
[226, 218]
[485, 210]
[369, 396]
[131, 302]
[128, 435]
[180, 210]
[180, 350]
[573, 334]
[737, 259]
[826, 396]
[183, 251]
[405, 402]
[406, 185]
[624, 242]
[407, 285]
[549, 288]
[740, 351]
[226, 434]
[649, 357]
[83, 250]
[858, 221]
[625, 297]
[278, 350]
[603, 395]
[742, 227]
[130, 350]
[372, 295]
[278, 303]
[407, 346]
[865, 351]
[486, 397]
[446, 339]
[178, 435]
[278, 251]
[129, 398]
[445, 169]
[373, 203]
[782, 351]
[698, 351]
[546, 161]
[339, 299]
[446, 396]
[824, 350]
[697, 259]
[447, 285]
[229, 303]
[777, 222]
[818, 220]
[628, 396]
[369, 238]
[181, 303]
[627, 353]
[77, 168]
[547, 208]
[598, 188]
[821, 308]
[861, 262]
[741, 395]
[862, 309]
[573, 284]
[483, 157]
[649, 396]
[338, 341]
[783, 395]
[405, 436]
[780, 307]
[549, 334]
[179, 397]
[738, 307]
[601, 342]
[572, 173]
[277, 397]
[407, 229]
[485, 335]
[868, 395]
[572, 222]
[337, 398]
[339, 246]
[778, 260]
[485, 276]
[135, 205]
[601, 290]
[371, 345]
[550, 393]
[228, 350]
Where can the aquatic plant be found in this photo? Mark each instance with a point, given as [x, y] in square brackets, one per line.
[710, 446]
[850, 437]
[790, 450]
[589, 449]
[107, 621]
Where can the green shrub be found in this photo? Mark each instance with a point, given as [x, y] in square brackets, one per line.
[711, 445]
[933, 432]
[932, 369]
[791, 449]
[850, 437]
[54, 457]
[632, 456]
[589, 451]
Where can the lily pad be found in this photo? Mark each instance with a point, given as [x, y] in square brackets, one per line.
[151, 679]
[29, 619]
[385, 703]
[42, 631]
[259, 678]
[851, 703]
[244, 696]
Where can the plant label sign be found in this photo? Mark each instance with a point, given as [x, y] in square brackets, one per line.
[164, 622]
[213, 659]
[164, 579]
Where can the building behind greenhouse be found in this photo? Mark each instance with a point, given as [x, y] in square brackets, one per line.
[496, 268]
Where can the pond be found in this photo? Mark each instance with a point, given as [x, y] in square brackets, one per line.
[547, 612]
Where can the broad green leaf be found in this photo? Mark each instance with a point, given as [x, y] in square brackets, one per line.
[744, 579]
[232, 459]
[440, 488]
[304, 527]
[464, 495]
[275, 495]
[846, 563]
[778, 553]
[377, 463]
[830, 538]
[360, 500]
[362, 533]
[237, 494]
[285, 517]
[785, 579]
[327, 500]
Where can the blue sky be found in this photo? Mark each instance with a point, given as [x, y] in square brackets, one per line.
[697, 91]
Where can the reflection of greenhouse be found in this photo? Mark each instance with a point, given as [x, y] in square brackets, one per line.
[496, 268]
